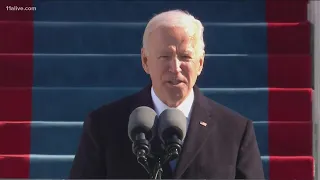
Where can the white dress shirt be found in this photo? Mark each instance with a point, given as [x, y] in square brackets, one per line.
[185, 106]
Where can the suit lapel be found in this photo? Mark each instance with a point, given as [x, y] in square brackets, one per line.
[200, 127]
[143, 98]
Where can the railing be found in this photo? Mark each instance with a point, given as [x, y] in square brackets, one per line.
[314, 17]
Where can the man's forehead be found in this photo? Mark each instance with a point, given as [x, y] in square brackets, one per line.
[181, 49]
[168, 39]
[174, 31]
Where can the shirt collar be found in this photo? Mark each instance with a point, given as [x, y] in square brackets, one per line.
[185, 106]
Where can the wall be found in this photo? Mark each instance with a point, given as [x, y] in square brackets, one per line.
[314, 17]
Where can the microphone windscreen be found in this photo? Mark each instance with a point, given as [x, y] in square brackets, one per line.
[141, 120]
[172, 122]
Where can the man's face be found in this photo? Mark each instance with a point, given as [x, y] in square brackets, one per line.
[173, 62]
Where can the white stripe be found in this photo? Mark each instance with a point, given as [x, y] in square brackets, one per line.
[58, 123]
[51, 157]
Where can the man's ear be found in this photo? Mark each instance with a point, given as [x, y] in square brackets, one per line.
[144, 60]
[201, 62]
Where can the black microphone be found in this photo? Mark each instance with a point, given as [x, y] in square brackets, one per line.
[172, 131]
[141, 132]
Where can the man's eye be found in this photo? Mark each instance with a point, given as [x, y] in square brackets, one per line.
[164, 57]
[186, 58]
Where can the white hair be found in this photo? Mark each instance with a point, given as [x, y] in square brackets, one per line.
[175, 18]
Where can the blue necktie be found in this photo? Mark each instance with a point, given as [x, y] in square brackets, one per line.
[173, 164]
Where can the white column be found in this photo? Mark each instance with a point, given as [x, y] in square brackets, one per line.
[314, 17]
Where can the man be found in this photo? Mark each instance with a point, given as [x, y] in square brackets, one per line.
[220, 144]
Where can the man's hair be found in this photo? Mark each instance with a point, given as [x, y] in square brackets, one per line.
[176, 18]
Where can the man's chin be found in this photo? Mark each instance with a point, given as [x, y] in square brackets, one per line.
[177, 94]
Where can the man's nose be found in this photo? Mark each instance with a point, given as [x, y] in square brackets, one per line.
[175, 65]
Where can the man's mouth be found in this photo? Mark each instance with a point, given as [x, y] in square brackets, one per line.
[175, 82]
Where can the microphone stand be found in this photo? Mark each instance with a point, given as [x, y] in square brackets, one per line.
[143, 161]
[157, 172]
[172, 151]
[141, 148]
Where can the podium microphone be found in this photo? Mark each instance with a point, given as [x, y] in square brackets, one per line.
[141, 132]
[172, 129]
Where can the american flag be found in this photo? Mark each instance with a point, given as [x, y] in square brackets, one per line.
[203, 123]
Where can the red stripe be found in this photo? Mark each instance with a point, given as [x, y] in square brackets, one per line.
[15, 70]
[290, 110]
[14, 167]
[15, 104]
[15, 139]
[288, 39]
[290, 105]
[289, 71]
[286, 10]
[16, 73]
[289, 168]
[293, 138]
[14, 143]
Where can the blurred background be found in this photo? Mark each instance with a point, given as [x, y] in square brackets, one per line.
[61, 59]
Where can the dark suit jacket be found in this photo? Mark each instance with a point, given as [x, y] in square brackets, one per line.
[224, 149]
